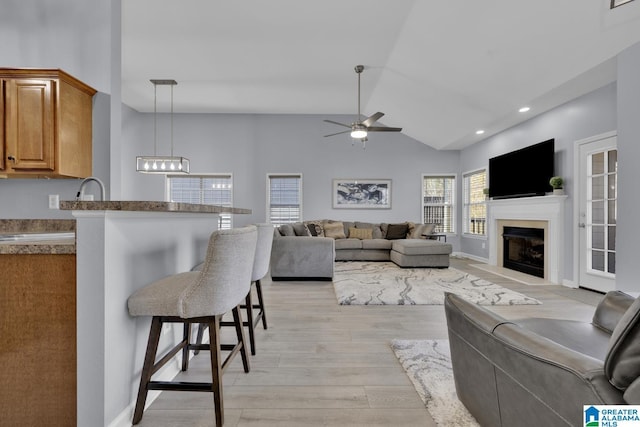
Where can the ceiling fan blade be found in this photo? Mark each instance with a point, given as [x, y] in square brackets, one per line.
[383, 129]
[337, 133]
[372, 119]
[336, 123]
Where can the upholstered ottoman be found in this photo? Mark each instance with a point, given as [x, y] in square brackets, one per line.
[420, 253]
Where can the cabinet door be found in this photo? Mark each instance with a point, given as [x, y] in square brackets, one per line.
[30, 125]
[2, 123]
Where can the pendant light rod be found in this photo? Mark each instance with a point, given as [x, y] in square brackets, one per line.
[172, 119]
[359, 69]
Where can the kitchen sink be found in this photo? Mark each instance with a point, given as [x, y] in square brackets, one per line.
[36, 237]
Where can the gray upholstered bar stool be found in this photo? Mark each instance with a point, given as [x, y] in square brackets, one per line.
[198, 297]
[260, 270]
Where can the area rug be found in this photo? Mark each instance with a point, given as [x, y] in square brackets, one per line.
[428, 366]
[384, 283]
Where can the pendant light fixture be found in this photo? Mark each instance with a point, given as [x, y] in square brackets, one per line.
[161, 164]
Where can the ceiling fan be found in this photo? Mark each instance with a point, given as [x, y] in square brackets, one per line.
[360, 128]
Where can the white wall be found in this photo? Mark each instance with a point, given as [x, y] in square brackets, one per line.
[73, 35]
[588, 115]
[251, 146]
[628, 234]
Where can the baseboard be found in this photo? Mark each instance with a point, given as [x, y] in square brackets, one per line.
[569, 283]
[473, 257]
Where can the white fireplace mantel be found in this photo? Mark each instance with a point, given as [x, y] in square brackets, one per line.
[542, 208]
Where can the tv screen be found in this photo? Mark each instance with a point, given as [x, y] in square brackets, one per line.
[522, 173]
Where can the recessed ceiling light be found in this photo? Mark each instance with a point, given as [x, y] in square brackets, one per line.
[479, 132]
[524, 109]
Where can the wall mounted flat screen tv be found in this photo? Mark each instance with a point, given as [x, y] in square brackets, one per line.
[522, 173]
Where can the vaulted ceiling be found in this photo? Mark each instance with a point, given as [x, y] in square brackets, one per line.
[439, 69]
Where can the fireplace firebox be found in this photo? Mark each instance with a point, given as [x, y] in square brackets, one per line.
[523, 250]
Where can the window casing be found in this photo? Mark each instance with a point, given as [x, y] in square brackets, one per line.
[206, 189]
[438, 202]
[474, 212]
[284, 198]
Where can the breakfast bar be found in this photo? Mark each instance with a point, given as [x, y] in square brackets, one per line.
[121, 247]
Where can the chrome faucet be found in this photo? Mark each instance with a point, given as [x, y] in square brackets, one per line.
[87, 180]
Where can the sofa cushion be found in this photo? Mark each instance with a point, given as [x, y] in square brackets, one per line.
[420, 247]
[622, 365]
[348, 244]
[397, 231]
[380, 244]
[300, 229]
[334, 230]
[286, 230]
[361, 233]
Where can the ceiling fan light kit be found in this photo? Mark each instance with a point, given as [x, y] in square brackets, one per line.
[360, 128]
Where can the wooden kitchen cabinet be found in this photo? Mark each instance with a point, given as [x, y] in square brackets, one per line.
[46, 124]
[38, 346]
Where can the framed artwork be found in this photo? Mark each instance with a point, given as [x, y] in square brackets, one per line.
[361, 193]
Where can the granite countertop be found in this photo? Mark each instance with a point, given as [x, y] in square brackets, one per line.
[149, 206]
[38, 227]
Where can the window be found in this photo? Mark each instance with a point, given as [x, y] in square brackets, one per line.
[438, 202]
[205, 190]
[284, 198]
[475, 205]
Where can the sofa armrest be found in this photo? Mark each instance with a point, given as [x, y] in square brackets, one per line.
[610, 310]
[294, 257]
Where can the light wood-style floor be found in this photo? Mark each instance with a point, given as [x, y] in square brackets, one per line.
[322, 364]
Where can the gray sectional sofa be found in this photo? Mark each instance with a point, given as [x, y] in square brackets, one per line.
[307, 250]
[540, 372]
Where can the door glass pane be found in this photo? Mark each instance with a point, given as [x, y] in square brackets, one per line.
[612, 188]
[597, 212]
[597, 188]
[597, 163]
[597, 237]
[611, 214]
[597, 260]
[613, 161]
[611, 260]
[611, 238]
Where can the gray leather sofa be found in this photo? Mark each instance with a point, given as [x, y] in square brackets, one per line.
[535, 372]
[298, 255]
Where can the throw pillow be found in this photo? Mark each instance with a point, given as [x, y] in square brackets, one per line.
[397, 231]
[411, 228]
[348, 225]
[312, 230]
[334, 230]
[286, 230]
[315, 228]
[375, 228]
[300, 229]
[360, 233]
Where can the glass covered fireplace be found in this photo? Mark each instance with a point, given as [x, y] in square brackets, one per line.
[523, 250]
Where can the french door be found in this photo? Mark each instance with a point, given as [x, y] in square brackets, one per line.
[597, 186]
